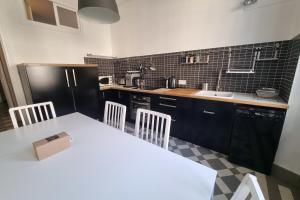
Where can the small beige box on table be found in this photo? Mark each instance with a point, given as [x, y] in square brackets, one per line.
[51, 145]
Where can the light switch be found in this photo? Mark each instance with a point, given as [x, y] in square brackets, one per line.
[182, 82]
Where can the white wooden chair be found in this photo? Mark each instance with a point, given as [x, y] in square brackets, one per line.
[114, 115]
[32, 113]
[153, 127]
[248, 186]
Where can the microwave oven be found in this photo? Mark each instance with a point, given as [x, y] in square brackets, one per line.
[105, 81]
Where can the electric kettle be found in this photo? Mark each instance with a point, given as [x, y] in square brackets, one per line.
[172, 82]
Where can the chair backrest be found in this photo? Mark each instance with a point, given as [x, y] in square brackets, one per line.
[248, 186]
[114, 115]
[153, 127]
[32, 113]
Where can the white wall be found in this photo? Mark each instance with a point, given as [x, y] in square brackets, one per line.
[288, 153]
[160, 26]
[26, 41]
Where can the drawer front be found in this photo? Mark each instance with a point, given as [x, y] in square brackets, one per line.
[167, 105]
[166, 101]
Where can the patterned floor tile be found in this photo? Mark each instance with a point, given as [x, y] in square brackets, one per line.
[216, 164]
[225, 172]
[229, 175]
[220, 197]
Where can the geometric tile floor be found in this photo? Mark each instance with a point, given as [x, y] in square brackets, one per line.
[229, 175]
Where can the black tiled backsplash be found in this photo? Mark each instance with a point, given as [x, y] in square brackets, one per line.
[277, 74]
[290, 68]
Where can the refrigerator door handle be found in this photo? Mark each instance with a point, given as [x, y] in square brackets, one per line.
[74, 77]
[67, 77]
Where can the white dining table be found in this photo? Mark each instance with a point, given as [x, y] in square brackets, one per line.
[102, 163]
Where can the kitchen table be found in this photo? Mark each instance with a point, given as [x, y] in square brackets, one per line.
[102, 163]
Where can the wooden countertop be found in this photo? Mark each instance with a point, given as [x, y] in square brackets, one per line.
[239, 98]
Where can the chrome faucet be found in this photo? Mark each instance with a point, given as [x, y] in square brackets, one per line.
[219, 80]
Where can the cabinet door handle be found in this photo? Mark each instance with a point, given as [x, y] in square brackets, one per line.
[74, 77]
[167, 98]
[166, 105]
[67, 77]
[140, 103]
[209, 112]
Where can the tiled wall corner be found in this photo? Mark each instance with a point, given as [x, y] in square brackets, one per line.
[290, 68]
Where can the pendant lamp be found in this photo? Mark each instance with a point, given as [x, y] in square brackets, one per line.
[102, 11]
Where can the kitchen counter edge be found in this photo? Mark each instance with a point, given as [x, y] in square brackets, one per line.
[190, 93]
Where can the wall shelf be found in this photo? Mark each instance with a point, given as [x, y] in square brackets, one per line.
[199, 62]
[240, 71]
[240, 59]
[271, 58]
[275, 57]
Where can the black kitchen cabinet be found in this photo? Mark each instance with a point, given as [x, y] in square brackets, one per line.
[49, 84]
[255, 137]
[123, 97]
[71, 89]
[185, 121]
[166, 105]
[117, 96]
[214, 121]
[86, 91]
[205, 123]
[106, 95]
[223, 127]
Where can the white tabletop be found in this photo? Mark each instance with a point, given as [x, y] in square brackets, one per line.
[102, 163]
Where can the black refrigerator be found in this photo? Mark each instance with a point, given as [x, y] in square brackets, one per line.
[71, 88]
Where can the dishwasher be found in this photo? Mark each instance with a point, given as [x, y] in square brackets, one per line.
[255, 137]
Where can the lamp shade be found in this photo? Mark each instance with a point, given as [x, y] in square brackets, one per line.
[103, 11]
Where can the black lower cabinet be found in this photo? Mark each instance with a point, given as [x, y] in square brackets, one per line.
[166, 105]
[106, 95]
[123, 98]
[205, 123]
[117, 96]
[255, 137]
[184, 114]
[248, 134]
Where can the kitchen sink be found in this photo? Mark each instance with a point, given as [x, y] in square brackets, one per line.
[215, 94]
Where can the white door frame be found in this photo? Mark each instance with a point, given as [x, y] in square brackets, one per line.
[5, 78]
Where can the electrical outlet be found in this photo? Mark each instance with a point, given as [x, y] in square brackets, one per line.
[182, 82]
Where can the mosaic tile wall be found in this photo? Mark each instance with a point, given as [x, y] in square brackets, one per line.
[276, 73]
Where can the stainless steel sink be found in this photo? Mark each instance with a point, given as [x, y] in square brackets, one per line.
[215, 94]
